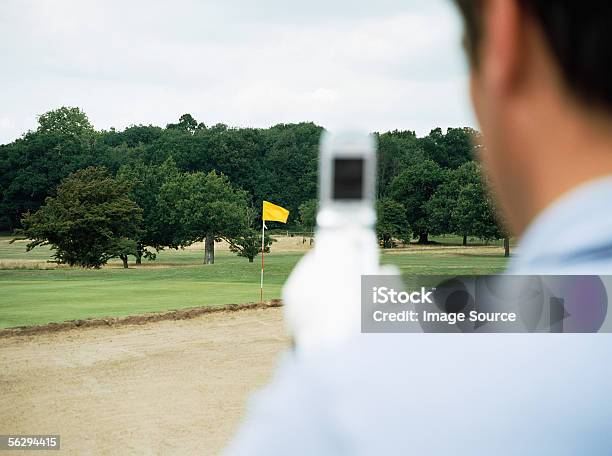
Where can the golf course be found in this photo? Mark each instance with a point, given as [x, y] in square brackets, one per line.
[35, 291]
[175, 386]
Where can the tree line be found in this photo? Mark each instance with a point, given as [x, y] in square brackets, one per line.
[133, 192]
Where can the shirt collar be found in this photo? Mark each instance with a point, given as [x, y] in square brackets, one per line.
[578, 221]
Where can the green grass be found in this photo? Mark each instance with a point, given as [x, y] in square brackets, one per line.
[32, 295]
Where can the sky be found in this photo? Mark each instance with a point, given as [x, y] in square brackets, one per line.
[378, 66]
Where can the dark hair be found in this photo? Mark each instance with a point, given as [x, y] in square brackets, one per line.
[579, 34]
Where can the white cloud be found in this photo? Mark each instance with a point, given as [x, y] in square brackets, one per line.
[379, 65]
[6, 124]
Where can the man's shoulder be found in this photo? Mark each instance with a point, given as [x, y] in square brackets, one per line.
[571, 236]
[393, 394]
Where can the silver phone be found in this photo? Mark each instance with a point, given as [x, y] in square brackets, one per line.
[347, 180]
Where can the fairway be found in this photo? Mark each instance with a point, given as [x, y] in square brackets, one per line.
[36, 292]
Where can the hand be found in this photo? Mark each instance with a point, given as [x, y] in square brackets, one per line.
[322, 296]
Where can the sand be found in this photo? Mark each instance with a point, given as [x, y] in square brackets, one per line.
[166, 387]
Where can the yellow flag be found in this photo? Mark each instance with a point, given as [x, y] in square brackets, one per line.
[274, 213]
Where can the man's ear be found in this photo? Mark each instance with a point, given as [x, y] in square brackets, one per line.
[501, 46]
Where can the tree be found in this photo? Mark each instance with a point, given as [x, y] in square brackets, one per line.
[391, 222]
[462, 205]
[66, 121]
[186, 123]
[32, 167]
[396, 149]
[471, 214]
[146, 181]
[440, 206]
[247, 243]
[91, 220]
[191, 152]
[135, 135]
[290, 171]
[459, 205]
[413, 187]
[198, 206]
[449, 150]
[500, 230]
[308, 215]
[277, 163]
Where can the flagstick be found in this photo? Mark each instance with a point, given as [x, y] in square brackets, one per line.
[263, 227]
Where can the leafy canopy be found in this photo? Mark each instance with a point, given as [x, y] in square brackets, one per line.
[91, 220]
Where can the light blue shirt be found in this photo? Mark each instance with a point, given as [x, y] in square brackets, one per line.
[572, 236]
[489, 394]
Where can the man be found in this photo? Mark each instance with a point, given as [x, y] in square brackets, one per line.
[542, 90]
[541, 83]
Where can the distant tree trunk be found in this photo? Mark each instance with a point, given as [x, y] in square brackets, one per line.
[139, 250]
[250, 259]
[209, 249]
[464, 240]
[125, 261]
[423, 238]
[506, 246]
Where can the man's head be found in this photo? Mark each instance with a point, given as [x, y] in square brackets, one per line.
[541, 84]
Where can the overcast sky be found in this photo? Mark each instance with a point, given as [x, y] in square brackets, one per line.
[379, 65]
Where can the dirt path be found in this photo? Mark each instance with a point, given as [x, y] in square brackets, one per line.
[169, 387]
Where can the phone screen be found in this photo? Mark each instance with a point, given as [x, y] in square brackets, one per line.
[348, 179]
